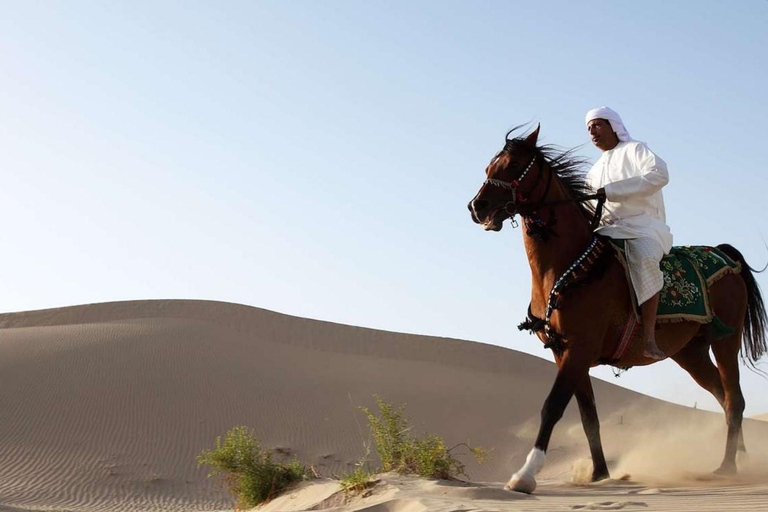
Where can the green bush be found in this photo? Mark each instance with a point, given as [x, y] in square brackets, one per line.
[249, 472]
[434, 460]
[399, 451]
[357, 481]
[390, 434]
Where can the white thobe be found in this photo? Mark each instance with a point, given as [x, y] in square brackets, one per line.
[633, 176]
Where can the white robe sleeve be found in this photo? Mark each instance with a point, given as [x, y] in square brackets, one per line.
[651, 176]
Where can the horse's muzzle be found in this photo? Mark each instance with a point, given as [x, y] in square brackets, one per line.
[479, 209]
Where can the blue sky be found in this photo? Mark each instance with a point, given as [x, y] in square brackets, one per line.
[315, 158]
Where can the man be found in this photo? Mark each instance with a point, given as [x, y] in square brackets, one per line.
[631, 177]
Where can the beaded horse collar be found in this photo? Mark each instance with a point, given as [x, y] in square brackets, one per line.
[585, 267]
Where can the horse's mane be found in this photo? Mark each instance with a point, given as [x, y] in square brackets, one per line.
[569, 169]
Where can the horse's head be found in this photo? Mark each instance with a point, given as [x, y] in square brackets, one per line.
[505, 186]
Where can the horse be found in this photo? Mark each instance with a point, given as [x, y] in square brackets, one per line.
[547, 187]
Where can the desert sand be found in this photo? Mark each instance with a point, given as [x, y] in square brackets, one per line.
[104, 407]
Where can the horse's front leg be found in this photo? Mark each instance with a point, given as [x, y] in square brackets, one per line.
[571, 373]
[586, 400]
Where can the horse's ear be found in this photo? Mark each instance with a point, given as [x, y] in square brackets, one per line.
[530, 141]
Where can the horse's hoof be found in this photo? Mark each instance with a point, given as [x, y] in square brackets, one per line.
[726, 470]
[521, 483]
[597, 476]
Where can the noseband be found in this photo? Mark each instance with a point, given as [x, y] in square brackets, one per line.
[512, 186]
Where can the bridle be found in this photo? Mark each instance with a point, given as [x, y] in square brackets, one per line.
[519, 200]
[512, 186]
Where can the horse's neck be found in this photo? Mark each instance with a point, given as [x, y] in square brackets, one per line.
[550, 258]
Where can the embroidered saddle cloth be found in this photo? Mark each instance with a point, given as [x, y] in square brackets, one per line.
[689, 271]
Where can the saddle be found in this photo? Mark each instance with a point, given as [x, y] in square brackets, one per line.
[689, 271]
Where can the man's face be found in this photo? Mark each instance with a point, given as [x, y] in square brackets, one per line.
[602, 134]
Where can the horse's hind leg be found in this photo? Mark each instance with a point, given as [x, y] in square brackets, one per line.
[694, 358]
[726, 352]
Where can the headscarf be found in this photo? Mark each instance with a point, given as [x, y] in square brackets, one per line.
[613, 117]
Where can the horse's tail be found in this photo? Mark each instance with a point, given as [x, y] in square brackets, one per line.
[755, 320]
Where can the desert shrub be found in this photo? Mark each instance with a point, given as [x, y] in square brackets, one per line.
[249, 471]
[401, 452]
[432, 458]
[390, 434]
[357, 481]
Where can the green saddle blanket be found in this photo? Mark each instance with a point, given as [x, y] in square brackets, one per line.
[689, 271]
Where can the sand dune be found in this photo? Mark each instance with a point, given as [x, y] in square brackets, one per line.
[104, 407]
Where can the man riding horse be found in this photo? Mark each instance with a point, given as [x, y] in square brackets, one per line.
[630, 177]
[581, 306]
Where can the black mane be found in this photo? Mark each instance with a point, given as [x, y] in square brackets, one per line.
[569, 169]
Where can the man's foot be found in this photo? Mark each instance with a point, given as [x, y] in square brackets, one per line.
[648, 312]
[653, 352]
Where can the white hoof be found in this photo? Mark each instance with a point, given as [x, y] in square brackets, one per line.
[525, 479]
[521, 483]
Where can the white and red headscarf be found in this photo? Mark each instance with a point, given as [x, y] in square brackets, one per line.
[613, 117]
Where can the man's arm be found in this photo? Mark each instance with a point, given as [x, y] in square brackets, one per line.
[652, 176]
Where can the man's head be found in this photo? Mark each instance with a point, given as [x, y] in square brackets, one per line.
[602, 134]
[606, 128]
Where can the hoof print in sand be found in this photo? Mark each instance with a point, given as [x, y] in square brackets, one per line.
[609, 505]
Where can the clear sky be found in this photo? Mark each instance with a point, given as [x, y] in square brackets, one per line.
[316, 158]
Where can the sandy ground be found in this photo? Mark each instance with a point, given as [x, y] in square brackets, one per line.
[104, 407]
[405, 494]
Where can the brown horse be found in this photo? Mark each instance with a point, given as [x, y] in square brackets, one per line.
[582, 322]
